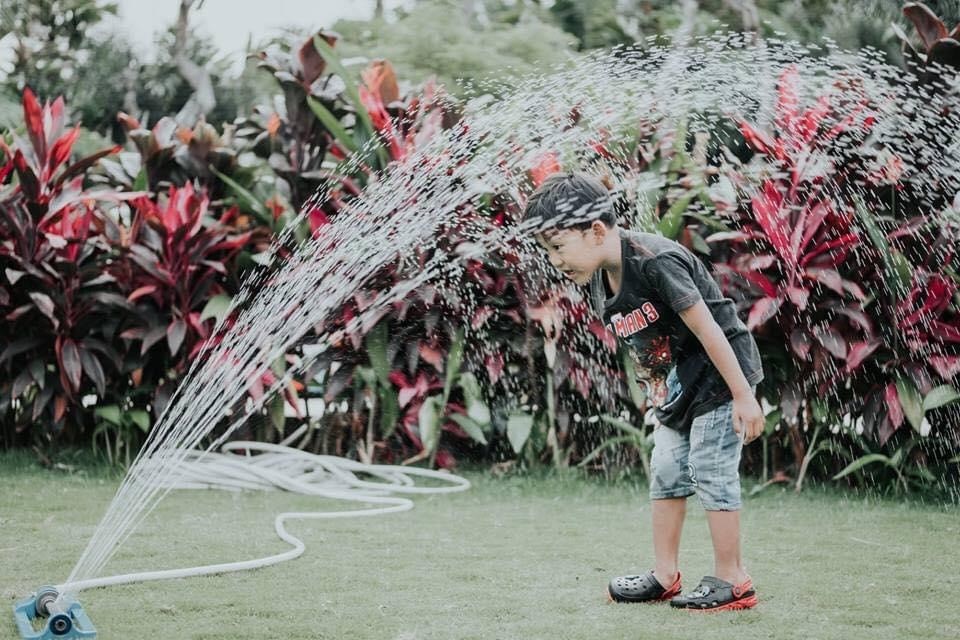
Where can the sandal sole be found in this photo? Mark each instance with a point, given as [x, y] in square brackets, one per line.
[670, 593]
[737, 605]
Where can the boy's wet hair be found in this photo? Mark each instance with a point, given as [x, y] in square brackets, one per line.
[570, 201]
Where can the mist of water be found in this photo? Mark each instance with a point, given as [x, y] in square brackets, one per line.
[566, 110]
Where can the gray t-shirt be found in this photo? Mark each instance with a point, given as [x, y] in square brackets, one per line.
[661, 278]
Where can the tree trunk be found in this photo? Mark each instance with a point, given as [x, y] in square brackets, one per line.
[749, 16]
[203, 100]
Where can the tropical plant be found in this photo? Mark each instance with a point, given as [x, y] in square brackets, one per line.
[840, 298]
[940, 46]
[94, 278]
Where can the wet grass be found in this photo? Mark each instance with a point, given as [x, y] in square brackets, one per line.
[514, 557]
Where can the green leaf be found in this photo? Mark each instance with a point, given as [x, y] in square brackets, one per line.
[430, 413]
[350, 88]
[477, 409]
[699, 243]
[672, 220]
[519, 426]
[368, 375]
[898, 270]
[910, 401]
[376, 341]
[860, 463]
[606, 444]
[454, 360]
[624, 426]
[277, 416]
[940, 396]
[389, 411]
[638, 396]
[217, 307]
[110, 413]
[140, 183]
[253, 204]
[772, 419]
[470, 426]
[140, 418]
[821, 412]
[332, 124]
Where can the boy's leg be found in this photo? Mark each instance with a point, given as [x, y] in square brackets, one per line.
[668, 515]
[714, 458]
[725, 532]
[669, 488]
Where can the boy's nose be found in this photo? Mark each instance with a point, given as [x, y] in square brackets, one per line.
[555, 260]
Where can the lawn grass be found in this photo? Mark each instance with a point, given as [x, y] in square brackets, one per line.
[515, 557]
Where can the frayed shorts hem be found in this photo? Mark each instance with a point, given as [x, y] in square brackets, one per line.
[669, 495]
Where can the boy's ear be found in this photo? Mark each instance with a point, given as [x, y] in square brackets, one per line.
[598, 231]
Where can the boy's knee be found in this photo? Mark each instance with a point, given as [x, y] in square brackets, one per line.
[669, 477]
[719, 492]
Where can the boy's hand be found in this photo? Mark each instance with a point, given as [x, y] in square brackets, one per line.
[748, 417]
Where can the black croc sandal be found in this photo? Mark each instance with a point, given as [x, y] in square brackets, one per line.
[714, 594]
[643, 588]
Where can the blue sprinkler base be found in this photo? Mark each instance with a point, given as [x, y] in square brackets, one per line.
[65, 618]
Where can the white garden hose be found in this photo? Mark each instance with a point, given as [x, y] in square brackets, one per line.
[289, 469]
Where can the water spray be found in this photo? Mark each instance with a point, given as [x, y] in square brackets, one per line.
[59, 615]
[406, 208]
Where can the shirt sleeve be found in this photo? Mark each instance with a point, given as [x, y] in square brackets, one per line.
[671, 275]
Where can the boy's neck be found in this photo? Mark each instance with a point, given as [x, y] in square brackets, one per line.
[612, 263]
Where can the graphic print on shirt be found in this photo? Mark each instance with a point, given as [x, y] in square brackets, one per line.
[649, 348]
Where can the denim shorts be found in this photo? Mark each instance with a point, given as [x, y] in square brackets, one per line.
[705, 461]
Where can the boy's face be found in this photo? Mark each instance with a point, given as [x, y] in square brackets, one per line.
[574, 252]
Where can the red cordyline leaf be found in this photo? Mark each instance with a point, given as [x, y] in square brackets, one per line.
[787, 101]
[608, 338]
[33, 118]
[946, 366]
[318, 220]
[29, 184]
[6, 170]
[894, 409]
[445, 460]
[806, 127]
[60, 153]
[763, 309]
[141, 291]
[581, 381]
[756, 138]
[845, 242]
[380, 78]
[70, 367]
[811, 217]
[944, 331]
[432, 355]
[494, 363]
[928, 24]
[939, 292]
[382, 122]
[767, 210]
[547, 165]
[859, 351]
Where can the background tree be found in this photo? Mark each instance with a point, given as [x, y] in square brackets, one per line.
[434, 39]
[57, 49]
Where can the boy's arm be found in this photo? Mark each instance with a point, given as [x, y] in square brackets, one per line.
[747, 414]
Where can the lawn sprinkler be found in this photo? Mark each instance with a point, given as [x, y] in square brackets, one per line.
[65, 618]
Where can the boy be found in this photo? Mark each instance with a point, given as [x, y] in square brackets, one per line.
[701, 367]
